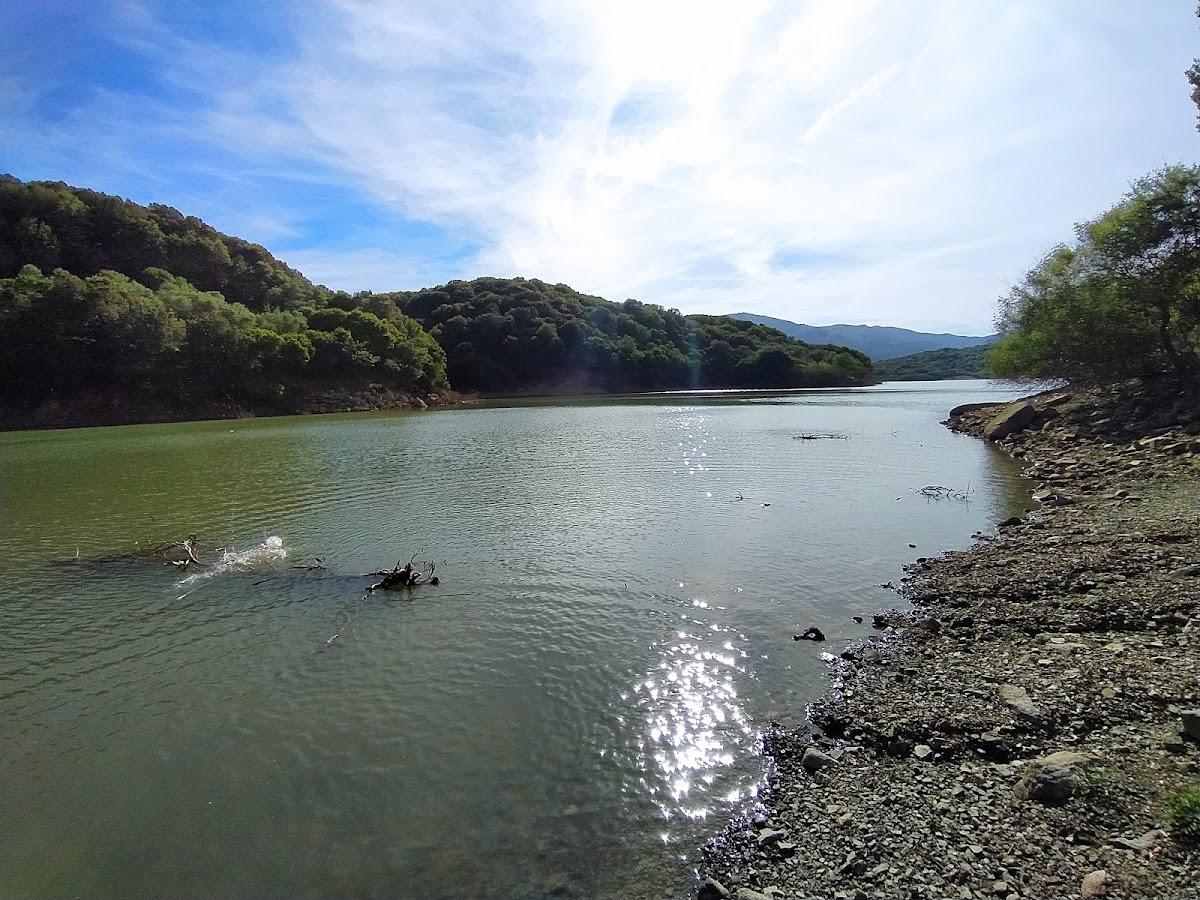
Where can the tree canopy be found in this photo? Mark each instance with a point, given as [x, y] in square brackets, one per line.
[516, 334]
[52, 225]
[1123, 300]
[935, 365]
[168, 341]
[99, 295]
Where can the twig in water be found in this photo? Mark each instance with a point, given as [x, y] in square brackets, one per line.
[940, 492]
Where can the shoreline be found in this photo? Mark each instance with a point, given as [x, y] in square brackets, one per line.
[1072, 630]
[114, 411]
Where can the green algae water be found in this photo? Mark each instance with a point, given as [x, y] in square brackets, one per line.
[569, 714]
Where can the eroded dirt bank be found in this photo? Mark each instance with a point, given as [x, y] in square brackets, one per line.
[1073, 631]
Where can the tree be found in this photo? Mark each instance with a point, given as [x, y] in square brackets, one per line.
[1124, 300]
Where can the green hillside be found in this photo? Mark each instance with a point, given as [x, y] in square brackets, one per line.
[114, 312]
[519, 335]
[934, 365]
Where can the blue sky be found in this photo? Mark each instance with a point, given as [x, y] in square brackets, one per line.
[878, 162]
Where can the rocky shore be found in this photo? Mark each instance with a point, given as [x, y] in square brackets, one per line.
[85, 410]
[1026, 727]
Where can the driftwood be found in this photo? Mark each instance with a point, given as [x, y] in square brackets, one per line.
[820, 436]
[400, 577]
[397, 578]
[940, 492]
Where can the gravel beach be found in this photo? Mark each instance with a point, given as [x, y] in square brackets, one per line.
[1019, 729]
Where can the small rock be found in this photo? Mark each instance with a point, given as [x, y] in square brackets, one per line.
[1050, 779]
[813, 634]
[814, 760]
[921, 751]
[1018, 698]
[1191, 723]
[769, 836]
[747, 894]
[1144, 842]
[1095, 884]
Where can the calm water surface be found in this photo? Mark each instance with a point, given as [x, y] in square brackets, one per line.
[569, 714]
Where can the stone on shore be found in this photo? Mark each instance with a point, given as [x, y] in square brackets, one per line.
[1013, 418]
[1095, 884]
[814, 760]
[1191, 724]
[747, 894]
[1051, 779]
[712, 889]
[1018, 698]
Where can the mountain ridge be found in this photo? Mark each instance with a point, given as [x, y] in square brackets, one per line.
[879, 342]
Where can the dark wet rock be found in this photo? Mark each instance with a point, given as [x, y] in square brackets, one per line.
[1011, 521]
[812, 634]
[1190, 719]
[1010, 420]
[1052, 498]
[711, 889]
[1051, 778]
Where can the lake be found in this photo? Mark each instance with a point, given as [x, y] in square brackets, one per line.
[570, 713]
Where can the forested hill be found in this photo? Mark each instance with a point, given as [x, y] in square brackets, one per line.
[514, 334]
[52, 225]
[935, 365]
[115, 312]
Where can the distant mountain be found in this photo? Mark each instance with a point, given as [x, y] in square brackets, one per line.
[935, 365]
[877, 341]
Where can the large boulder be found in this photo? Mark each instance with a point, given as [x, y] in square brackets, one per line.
[1051, 779]
[1010, 420]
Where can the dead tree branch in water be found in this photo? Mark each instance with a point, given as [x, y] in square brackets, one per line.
[401, 577]
[820, 436]
[940, 492]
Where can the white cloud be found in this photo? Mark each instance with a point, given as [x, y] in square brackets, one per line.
[917, 155]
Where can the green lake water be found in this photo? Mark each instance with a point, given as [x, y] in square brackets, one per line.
[571, 713]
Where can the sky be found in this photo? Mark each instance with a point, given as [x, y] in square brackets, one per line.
[823, 161]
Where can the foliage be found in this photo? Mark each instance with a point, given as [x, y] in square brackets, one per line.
[169, 341]
[525, 335]
[1123, 301]
[1193, 77]
[934, 365]
[100, 296]
[1184, 812]
[52, 225]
